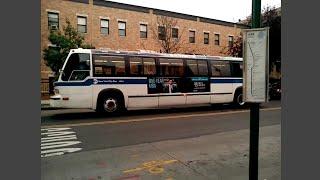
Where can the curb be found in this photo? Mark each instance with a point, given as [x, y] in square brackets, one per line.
[49, 108]
[45, 106]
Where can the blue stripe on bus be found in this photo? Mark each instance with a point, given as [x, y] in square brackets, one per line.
[90, 82]
[216, 81]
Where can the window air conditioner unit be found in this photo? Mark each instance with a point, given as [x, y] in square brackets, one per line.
[53, 27]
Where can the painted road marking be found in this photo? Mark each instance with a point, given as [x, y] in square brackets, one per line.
[56, 141]
[154, 118]
[52, 139]
[153, 167]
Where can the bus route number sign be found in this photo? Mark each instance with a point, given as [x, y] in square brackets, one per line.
[256, 64]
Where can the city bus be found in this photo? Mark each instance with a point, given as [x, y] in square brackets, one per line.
[112, 81]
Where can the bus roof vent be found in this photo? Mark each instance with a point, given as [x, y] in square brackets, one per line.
[104, 49]
[147, 51]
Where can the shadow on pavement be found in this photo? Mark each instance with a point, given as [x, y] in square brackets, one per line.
[65, 115]
[132, 113]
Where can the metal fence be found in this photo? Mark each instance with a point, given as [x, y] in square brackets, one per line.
[47, 86]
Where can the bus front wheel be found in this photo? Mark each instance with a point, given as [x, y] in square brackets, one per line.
[110, 104]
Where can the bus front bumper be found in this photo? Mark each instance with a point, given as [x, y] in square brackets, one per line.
[56, 101]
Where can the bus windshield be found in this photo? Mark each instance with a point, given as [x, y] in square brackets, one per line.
[77, 67]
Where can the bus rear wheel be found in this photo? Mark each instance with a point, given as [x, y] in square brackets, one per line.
[111, 104]
[238, 99]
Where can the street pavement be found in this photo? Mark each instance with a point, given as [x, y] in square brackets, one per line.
[187, 143]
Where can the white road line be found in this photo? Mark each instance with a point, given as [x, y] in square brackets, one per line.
[60, 151]
[57, 137]
[55, 129]
[56, 141]
[58, 144]
[49, 134]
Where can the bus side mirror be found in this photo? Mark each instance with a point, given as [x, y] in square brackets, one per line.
[61, 71]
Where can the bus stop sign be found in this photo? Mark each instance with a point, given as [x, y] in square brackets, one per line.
[256, 65]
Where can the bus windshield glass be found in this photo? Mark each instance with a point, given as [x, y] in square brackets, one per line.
[77, 67]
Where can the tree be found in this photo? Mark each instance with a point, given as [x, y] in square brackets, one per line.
[167, 35]
[235, 49]
[55, 55]
[270, 17]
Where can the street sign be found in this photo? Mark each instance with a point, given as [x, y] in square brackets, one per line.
[256, 65]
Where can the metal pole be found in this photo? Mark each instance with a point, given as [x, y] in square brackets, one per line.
[254, 141]
[256, 13]
[254, 108]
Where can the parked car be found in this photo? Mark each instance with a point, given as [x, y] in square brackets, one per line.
[275, 90]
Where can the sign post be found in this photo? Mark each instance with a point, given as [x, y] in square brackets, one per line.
[255, 86]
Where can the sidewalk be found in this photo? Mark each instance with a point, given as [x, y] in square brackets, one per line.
[45, 104]
[223, 156]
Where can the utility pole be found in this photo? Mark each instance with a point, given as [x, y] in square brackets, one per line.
[254, 108]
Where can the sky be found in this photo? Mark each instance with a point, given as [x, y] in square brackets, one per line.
[226, 10]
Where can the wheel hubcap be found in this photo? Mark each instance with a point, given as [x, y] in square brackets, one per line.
[110, 105]
[240, 100]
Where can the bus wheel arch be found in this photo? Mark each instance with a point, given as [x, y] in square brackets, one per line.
[238, 97]
[110, 100]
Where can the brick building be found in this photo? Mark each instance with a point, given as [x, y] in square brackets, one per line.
[107, 24]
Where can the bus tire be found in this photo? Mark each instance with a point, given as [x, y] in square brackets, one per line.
[110, 103]
[238, 98]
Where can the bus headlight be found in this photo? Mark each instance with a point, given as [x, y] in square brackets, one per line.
[56, 91]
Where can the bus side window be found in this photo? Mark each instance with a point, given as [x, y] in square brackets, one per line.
[108, 65]
[149, 66]
[197, 68]
[192, 68]
[220, 69]
[135, 64]
[77, 67]
[237, 69]
[203, 67]
[171, 67]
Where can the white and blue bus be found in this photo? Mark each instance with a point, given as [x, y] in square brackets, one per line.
[111, 81]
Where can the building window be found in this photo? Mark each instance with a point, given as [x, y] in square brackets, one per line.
[161, 32]
[122, 28]
[230, 41]
[143, 31]
[217, 39]
[104, 26]
[206, 38]
[192, 36]
[53, 21]
[175, 32]
[82, 24]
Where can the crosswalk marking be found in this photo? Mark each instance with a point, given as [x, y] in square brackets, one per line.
[58, 141]
[58, 137]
